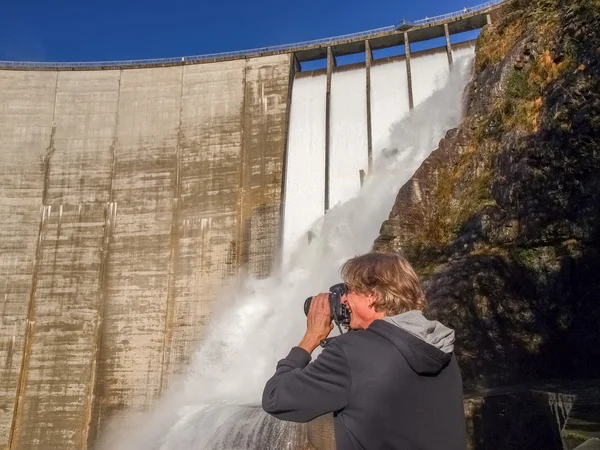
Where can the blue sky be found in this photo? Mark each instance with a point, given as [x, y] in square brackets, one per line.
[91, 30]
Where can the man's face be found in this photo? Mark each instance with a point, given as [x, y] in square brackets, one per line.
[361, 315]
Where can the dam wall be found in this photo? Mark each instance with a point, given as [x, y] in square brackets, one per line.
[130, 197]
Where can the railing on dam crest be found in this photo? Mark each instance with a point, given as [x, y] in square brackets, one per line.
[453, 15]
[254, 51]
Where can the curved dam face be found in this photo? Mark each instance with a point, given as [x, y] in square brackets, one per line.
[130, 198]
[127, 198]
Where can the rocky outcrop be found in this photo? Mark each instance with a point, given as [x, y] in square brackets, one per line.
[502, 221]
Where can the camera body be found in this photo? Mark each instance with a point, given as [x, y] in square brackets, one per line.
[339, 312]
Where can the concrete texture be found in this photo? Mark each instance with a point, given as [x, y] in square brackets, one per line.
[411, 102]
[265, 138]
[136, 277]
[58, 371]
[448, 45]
[590, 444]
[206, 217]
[368, 63]
[321, 433]
[331, 63]
[26, 117]
[128, 197]
[65, 309]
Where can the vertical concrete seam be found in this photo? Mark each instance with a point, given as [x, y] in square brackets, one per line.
[368, 61]
[242, 180]
[288, 112]
[170, 302]
[448, 45]
[27, 341]
[94, 408]
[411, 103]
[50, 149]
[115, 142]
[21, 382]
[95, 404]
[330, 64]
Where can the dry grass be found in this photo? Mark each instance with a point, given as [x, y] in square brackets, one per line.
[495, 42]
[521, 107]
[461, 190]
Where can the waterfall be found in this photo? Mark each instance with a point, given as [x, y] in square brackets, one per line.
[348, 143]
[305, 171]
[216, 407]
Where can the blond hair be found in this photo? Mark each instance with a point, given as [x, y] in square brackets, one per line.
[387, 276]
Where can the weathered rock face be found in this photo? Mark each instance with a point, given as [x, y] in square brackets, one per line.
[503, 220]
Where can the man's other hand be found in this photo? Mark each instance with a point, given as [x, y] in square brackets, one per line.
[318, 323]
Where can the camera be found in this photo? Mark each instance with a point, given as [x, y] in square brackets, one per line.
[339, 312]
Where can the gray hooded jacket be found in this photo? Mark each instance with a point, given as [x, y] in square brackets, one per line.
[395, 385]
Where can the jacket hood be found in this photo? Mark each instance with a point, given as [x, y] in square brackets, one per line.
[426, 345]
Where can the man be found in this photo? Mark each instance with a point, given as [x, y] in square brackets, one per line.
[393, 383]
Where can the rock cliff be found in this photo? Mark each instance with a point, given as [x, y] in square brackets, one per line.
[502, 221]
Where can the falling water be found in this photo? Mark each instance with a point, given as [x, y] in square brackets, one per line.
[216, 406]
[306, 148]
[348, 144]
[429, 72]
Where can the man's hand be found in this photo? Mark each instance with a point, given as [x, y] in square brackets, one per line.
[318, 323]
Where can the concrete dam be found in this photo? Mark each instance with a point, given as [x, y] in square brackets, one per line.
[133, 193]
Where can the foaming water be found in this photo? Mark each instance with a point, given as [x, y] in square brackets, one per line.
[217, 407]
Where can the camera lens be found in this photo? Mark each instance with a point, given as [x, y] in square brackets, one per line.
[307, 305]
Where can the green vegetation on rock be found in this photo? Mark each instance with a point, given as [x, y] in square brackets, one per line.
[506, 231]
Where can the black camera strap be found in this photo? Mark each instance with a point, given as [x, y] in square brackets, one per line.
[325, 341]
[337, 321]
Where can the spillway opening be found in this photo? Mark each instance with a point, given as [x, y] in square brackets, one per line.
[427, 45]
[315, 64]
[347, 60]
[389, 52]
[466, 37]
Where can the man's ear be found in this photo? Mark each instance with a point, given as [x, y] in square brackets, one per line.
[372, 299]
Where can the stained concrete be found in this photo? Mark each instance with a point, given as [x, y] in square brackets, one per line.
[128, 198]
[265, 132]
[206, 218]
[136, 277]
[26, 116]
[57, 376]
[59, 367]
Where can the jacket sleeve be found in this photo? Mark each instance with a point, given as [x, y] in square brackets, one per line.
[299, 391]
